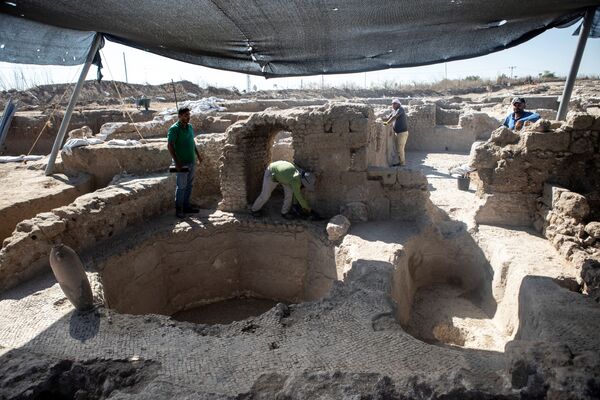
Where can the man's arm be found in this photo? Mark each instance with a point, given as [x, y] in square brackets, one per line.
[174, 156]
[392, 117]
[532, 117]
[298, 195]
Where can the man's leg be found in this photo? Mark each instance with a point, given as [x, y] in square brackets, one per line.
[401, 139]
[394, 157]
[181, 182]
[288, 196]
[188, 189]
[267, 188]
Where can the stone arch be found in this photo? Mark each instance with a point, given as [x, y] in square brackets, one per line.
[245, 157]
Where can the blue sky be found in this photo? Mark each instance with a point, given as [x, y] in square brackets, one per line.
[553, 51]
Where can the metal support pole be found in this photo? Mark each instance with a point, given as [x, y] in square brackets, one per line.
[583, 35]
[125, 64]
[69, 111]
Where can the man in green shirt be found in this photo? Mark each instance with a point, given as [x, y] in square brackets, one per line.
[292, 179]
[183, 151]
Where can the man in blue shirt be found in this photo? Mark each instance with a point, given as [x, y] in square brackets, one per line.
[519, 116]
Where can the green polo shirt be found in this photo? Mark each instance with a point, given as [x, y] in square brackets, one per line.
[183, 143]
[286, 173]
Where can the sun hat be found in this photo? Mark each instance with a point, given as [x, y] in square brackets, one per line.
[308, 180]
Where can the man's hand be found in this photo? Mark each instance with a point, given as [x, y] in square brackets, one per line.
[178, 166]
[518, 125]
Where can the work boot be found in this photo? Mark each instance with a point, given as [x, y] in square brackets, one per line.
[179, 212]
[191, 210]
[257, 213]
[288, 216]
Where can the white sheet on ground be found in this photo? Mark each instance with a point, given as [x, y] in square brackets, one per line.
[7, 159]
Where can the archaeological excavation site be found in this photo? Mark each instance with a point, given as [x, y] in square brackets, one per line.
[468, 270]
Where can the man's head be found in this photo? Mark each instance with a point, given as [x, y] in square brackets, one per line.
[518, 104]
[308, 180]
[396, 104]
[184, 115]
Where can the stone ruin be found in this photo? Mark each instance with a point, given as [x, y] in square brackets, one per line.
[410, 303]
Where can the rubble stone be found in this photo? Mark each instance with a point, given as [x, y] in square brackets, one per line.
[593, 229]
[337, 227]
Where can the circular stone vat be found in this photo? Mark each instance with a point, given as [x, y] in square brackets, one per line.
[218, 272]
[443, 293]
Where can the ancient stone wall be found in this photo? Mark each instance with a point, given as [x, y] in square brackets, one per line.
[203, 123]
[564, 218]
[432, 128]
[512, 167]
[90, 219]
[333, 141]
[52, 192]
[25, 129]
[104, 161]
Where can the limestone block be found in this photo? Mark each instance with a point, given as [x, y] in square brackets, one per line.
[337, 227]
[479, 123]
[407, 204]
[387, 176]
[593, 229]
[503, 136]
[573, 204]
[408, 178]
[340, 126]
[582, 145]
[551, 194]
[580, 120]
[541, 125]
[81, 133]
[355, 211]
[515, 209]
[567, 247]
[357, 139]
[484, 155]
[556, 141]
[359, 124]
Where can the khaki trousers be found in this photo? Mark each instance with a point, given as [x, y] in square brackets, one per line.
[400, 143]
[267, 188]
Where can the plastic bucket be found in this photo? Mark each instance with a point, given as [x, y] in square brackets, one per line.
[463, 183]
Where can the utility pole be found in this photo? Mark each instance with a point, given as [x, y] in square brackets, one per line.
[125, 64]
[446, 71]
[512, 68]
[365, 80]
[247, 83]
[322, 82]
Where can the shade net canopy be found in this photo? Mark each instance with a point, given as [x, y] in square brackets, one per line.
[275, 38]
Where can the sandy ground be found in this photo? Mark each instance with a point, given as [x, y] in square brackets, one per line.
[443, 187]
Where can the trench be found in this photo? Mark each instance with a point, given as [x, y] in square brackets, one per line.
[220, 275]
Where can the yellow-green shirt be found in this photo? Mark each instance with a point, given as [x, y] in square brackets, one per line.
[286, 173]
